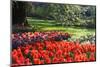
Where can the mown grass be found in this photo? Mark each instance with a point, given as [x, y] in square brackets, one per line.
[48, 25]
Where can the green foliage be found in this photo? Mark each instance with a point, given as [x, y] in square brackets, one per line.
[66, 14]
[62, 14]
[88, 14]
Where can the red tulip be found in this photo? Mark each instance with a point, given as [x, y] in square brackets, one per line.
[36, 56]
[47, 60]
[21, 59]
[51, 54]
[26, 51]
[69, 59]
[36, 61]
[55, 60]
[27, 61]
[92, 57]
[42, 61]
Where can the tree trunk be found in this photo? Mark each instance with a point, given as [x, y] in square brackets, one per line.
[19, 13]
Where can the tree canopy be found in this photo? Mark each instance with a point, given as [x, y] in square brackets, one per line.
[64, 14]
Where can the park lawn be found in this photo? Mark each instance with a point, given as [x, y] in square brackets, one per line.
[48, 25]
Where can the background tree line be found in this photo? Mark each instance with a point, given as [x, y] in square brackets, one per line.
[63, 14]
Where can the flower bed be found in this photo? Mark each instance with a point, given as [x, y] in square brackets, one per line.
[47, 52]
[21, 39]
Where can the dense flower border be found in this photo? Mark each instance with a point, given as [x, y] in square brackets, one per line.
[21, 39]
[47, 52]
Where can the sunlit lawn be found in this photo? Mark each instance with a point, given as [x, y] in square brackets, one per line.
[47, 25]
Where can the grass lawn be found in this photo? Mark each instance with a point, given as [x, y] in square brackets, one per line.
[48, 25]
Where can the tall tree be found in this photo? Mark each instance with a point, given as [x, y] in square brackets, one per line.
[65, 14]
[19, 12]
